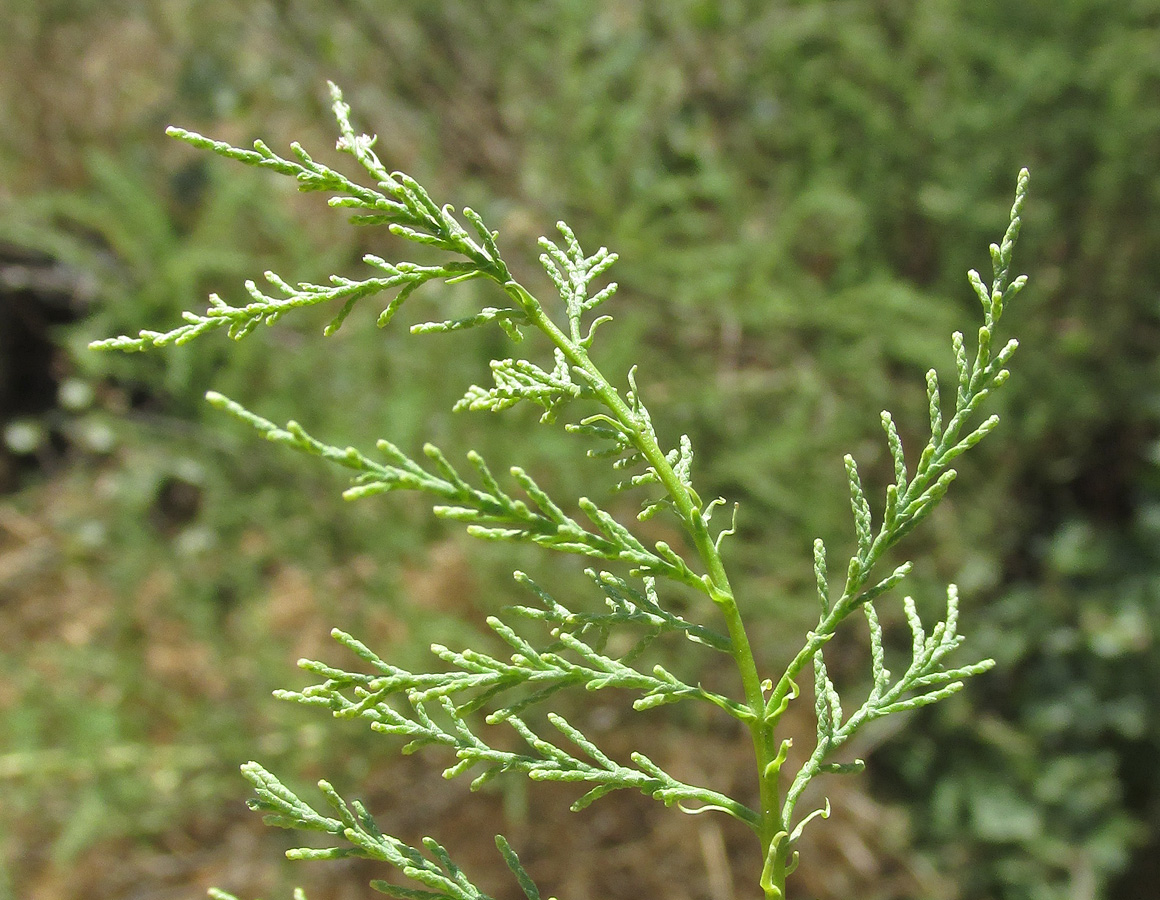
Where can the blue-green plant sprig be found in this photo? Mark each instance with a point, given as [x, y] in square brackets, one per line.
[439, 708]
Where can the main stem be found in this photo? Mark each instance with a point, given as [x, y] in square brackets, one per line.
[772, 831]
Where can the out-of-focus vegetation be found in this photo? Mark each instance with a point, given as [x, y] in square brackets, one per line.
[843, 162]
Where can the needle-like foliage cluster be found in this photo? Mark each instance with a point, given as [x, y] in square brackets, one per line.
[550, 647]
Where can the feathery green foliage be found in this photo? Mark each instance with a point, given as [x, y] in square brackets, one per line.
[554, 648]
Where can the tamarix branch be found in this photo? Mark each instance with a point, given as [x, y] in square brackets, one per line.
[471, 694]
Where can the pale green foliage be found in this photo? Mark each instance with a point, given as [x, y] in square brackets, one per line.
[440, 877]
[471, 688]
[492, 513]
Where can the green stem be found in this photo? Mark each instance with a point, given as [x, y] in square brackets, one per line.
[715, 582]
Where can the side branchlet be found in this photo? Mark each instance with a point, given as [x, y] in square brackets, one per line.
[909, 499]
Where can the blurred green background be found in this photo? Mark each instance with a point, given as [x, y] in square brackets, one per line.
[796, 190]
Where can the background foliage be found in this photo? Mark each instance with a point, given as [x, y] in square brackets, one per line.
[795, 190]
